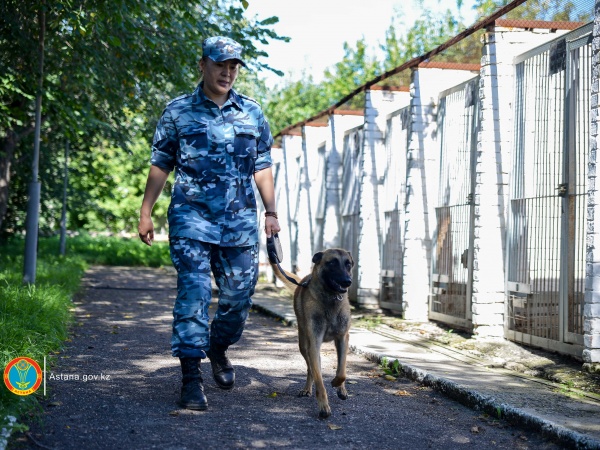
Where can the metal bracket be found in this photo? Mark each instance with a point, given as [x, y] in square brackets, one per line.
[562, 189]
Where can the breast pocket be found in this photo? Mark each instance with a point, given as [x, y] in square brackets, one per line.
[245, 148]
[194, 153]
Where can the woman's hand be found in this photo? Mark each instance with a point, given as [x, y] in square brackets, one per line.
[146, 230]
[271, 226]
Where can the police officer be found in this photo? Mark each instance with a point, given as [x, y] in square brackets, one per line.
[216, 140]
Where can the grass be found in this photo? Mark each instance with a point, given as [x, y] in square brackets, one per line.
[35, 319]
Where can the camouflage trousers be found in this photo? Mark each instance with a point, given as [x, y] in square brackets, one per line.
[235, 270]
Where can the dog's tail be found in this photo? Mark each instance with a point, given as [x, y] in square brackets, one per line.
[288, 284]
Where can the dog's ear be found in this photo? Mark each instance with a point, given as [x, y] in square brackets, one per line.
[317, 258]
[351, 259]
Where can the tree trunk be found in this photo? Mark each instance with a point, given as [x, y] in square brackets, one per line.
[7, 152]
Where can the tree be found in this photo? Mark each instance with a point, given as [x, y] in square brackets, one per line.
[354, 70]
[299, 100]
[428, 32]
[295, 101]
[104, 63]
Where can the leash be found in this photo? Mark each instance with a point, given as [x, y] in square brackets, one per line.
[275, 254]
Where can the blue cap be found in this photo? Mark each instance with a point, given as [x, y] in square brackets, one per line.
[221, 48]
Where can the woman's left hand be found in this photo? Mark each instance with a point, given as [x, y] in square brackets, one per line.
[271, 226]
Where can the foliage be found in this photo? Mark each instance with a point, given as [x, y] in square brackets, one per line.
[354, 70]
[393, 368]
[115, 251]
[299, 100]
[102, 250]
[109, 69]
[295, 101]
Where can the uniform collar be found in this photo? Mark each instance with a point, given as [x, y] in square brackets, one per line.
[200, 97]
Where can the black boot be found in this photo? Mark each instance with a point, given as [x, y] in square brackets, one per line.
[192, 390]
[223, 372]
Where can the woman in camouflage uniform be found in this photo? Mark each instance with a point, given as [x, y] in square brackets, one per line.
[217, 141]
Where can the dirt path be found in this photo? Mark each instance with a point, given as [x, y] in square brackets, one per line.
[115, 386]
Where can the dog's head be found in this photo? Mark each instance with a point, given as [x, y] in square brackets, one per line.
[333, 267]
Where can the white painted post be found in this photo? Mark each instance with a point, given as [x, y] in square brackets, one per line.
[493, 163]
[591, 312]
[292, 148]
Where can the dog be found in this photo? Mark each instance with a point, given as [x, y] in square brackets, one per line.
[323, 315]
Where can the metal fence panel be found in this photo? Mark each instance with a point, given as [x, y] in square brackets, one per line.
[546, 240]
[458, 124]
[394, 185]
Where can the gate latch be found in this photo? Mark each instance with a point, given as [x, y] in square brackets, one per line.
[562, 189]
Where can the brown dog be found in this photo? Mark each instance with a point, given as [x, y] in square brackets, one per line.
[323, 313]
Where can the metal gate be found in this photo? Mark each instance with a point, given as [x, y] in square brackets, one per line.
[452, 261]
[546, 240]
[350, 198]
[396, 142]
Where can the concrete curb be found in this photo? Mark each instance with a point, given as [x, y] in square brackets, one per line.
[489, 405]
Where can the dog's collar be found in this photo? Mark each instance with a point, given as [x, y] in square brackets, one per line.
[338, 297]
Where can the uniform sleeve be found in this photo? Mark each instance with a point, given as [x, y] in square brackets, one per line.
[265, 141]
[165, 143]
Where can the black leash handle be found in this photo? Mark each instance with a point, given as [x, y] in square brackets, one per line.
[275, 254]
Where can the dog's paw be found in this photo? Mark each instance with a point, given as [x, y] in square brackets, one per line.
[325, 412]
[304, 393]
[342, 393]
[338, 381]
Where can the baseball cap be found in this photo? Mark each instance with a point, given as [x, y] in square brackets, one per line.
[221, 48]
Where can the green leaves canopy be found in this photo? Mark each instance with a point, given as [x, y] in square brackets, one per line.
[105, 64]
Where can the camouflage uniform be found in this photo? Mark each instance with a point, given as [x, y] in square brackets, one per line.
[212, 216]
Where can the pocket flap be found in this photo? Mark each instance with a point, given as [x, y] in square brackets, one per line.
[247, 130]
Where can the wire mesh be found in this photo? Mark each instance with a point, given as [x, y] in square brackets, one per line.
[457, 128]
[548, 199]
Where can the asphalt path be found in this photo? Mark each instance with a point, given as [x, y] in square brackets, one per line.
[115, 386]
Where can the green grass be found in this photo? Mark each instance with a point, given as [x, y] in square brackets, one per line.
[35, 320]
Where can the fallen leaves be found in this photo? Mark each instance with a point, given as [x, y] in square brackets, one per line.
[475, 430]
[403, 393]
[334, 427]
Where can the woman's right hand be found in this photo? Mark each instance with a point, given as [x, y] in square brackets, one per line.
[146, 230]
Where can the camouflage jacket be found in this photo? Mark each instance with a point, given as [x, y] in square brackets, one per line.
[215, 153]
